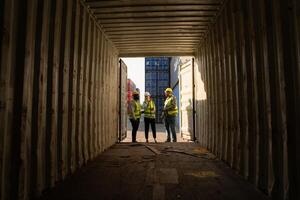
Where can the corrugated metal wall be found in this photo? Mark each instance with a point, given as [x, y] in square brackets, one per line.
[58, 86]
[250, 65]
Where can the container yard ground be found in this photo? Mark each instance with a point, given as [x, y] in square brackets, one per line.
[160, 133]
[176, 171]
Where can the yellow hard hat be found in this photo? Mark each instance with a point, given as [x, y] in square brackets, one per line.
[135, 93]
[169, 90]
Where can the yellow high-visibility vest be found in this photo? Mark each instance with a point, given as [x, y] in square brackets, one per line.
[134, 109]
[168, 102]
[149, 111]
[137, 110]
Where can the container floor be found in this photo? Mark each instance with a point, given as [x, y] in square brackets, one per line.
[160, 171]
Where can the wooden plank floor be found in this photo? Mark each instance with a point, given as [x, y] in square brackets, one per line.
[133, 171]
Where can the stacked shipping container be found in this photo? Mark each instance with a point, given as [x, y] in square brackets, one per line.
[130, 88]
[157, 79]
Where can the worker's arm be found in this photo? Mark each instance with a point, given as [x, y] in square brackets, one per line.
[131, 109]
[154, 108]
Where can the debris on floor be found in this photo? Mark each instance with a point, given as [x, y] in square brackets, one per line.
[202, 174]
[154, 150]
[137, 173]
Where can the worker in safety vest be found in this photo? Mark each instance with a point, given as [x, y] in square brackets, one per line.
[134, 113]
[149, 116]
[170, 111]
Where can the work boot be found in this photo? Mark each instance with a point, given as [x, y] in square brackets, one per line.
[168, 140]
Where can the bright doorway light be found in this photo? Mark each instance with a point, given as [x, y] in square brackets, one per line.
[136, 72]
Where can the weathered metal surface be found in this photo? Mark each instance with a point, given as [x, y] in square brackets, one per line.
[59, 83]
[143, 20]
[50, 63]
[254, 76]
[39, 154]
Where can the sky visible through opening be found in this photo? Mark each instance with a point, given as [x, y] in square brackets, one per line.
[136, 72]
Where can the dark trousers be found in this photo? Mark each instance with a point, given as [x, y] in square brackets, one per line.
[135, 126]
[149, 121]
[170, 122]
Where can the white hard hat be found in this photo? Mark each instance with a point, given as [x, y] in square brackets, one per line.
[147, 94]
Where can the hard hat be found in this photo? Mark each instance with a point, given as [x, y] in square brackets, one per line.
[135, 93]
[147, 94]
[169, 90]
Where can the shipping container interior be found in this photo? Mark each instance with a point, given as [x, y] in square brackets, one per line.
[62, 89]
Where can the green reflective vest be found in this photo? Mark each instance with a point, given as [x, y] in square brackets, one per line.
[168, 103]
[149, 109]
[136, 109]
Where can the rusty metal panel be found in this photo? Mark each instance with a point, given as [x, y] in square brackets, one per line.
[73, 128]
[80, 44]
[215, 61]
[38, 177]
[105, 95]
[26, 116]
[242, 87]
[53, 77]
[260, 61]
[101, 96]
[229, 101]
[224, 59]
[291, 34]
[201, 100]
[69, 137]
[44, 95]
[85, 101]
[95, 91]
[265, 178]
[215, 90]
[63, 90]
[65, 106]
[252, 92]
[278, 101]
[8, 49]
[82, 120]
[235, 92]
[102, 92]
[210, 95]
[88, 88]
[222, 91]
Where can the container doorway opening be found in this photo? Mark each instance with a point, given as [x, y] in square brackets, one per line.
[154, 75]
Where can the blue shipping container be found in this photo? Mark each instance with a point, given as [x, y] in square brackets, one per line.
[157, 72]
